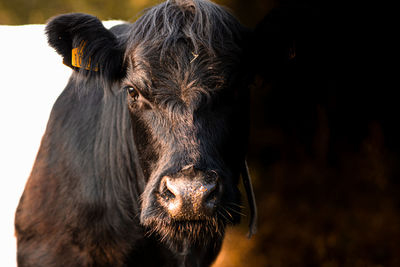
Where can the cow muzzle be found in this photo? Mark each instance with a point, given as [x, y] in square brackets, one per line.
[190, 194]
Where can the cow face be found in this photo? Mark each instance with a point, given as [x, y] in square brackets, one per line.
[178, 69]
[187, 107]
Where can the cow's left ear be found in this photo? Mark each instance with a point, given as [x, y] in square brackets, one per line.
[86, 45]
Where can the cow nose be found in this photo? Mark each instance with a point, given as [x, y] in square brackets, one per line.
[186, 198]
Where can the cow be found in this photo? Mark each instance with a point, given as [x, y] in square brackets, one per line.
[144, 148]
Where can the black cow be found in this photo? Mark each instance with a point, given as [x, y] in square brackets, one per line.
[141, 158]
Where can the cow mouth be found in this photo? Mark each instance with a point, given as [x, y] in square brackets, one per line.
[193, 231]
[195, 222]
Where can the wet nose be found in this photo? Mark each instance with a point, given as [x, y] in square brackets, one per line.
[189, 198]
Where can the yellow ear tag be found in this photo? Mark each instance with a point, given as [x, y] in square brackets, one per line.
[77, 55]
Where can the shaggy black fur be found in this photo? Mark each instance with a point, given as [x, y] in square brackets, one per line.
[93, 195]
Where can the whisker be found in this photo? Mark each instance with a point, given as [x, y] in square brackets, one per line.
[237, 212]
[227, 212]
[220, 213]
[235, 204]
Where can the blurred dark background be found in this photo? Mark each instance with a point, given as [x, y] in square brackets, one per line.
[324, 142]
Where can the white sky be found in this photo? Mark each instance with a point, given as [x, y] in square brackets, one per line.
[31, 78]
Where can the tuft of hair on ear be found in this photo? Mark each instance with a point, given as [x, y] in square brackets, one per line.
[101, 54]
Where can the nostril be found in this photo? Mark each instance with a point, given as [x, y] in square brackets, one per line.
[212, 176]
[166, 194]
[167, 190]
[210, 196]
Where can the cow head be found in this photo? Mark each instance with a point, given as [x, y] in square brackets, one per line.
[177, 69]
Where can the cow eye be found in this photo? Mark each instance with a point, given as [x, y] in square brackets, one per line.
[133, 92]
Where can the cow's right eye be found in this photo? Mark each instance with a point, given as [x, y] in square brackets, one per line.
[133, 92]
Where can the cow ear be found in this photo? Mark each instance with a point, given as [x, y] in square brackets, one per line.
[86, 45]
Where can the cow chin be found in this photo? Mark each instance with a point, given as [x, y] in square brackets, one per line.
[189, 232]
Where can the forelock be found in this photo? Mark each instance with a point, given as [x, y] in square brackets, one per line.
[203, 25]
[186, 47]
